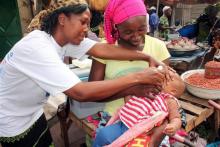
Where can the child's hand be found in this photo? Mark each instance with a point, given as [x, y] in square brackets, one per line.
[170, 129]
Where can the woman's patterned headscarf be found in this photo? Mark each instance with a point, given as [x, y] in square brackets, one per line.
[37, 20]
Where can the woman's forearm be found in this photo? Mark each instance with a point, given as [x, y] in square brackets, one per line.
[108, 51]
[137, 90]
[123, 93]
[98, 90]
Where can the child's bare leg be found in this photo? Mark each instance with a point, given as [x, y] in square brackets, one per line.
[157, 135]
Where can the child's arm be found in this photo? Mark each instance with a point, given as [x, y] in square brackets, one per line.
[174, 117]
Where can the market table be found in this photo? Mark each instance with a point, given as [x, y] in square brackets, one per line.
[197, 110]
[195, 60]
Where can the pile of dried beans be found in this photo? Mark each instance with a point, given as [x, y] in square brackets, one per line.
[199, 80]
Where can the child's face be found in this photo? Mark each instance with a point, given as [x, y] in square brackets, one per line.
[174, 87]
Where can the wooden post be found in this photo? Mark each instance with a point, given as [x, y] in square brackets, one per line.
[158, 3]
[63, 113]
[24, 7]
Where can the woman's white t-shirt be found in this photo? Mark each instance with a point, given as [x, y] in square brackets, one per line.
[31, 70]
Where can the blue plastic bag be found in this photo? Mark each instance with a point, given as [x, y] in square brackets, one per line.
[189, 31]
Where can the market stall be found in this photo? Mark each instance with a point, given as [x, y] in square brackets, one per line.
[186, 54]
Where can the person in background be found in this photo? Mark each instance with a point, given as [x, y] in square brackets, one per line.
[177, 25]
[164, 25]
[96, 20]
[154, 20]
[216, 44]
[33, 70]
[207, 23]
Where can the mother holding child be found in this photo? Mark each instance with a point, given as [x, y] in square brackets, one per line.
[125, 25]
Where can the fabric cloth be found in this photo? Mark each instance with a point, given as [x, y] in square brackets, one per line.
[37, 20]
[165, 142]
[141, 141]
[79, 51]
[104, 137]
[165, 23]
[139, 108]
[31, 71]
[116, 12]
[38, 135]
[154, 47]
[108, 134]
[99, 119]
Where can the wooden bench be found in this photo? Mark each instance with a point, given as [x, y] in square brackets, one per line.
[197, 110]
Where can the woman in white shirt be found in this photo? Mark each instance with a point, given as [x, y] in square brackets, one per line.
[33, 69]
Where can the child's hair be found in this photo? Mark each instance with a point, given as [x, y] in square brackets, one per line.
[50, 22]
[177, 86]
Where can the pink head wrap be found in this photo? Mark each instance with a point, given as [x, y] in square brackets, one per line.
[117, 11]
